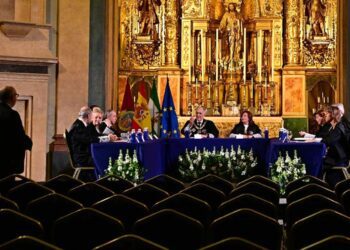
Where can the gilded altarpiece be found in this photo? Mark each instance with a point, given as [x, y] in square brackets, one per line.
[281, 44]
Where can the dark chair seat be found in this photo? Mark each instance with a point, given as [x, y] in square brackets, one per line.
[332, 242]
[341, 187]
[12, 181]
[7, 203]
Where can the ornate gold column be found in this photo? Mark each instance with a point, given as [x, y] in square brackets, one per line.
[292, 37]
[171, 33]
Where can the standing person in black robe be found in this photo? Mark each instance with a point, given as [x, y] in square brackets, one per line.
[200, 126]
[13, 139]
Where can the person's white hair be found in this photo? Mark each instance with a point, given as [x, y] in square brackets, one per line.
[84, 112]
[340, 107]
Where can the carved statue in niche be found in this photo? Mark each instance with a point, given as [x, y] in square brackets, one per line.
[231, 25]
[316, 16]
[148, 17]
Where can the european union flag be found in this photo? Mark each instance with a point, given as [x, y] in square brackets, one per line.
[169, 125]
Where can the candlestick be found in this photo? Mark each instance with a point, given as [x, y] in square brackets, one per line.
[318, 99]
[244, 55]
[272, 58]
[203, 55]
[327, 99]
[217, 55]
[196, 83]
[260, 54]
[209, 83]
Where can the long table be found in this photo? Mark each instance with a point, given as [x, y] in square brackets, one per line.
[160, 156]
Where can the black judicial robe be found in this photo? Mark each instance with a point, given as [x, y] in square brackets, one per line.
[205, 128]
[239, 129]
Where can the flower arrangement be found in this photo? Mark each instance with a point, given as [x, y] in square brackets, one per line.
[229, 164]
[126, 167]
[285, 170]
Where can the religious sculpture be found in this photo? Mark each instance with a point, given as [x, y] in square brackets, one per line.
[231, 25]
[316, 14]
[148, 16]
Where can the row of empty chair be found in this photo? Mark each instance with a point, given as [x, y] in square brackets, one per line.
[209, 212]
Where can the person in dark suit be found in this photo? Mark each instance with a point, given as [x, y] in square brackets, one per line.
[110, 119]
[81, 138]
[322, 118]
[246, 127]
[13, 140]
[200, 126]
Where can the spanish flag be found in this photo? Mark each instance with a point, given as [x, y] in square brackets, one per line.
[142, 116]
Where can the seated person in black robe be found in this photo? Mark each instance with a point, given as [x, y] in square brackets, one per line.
[201, 126]
[322, 118]
[246, 127]
[106, 126]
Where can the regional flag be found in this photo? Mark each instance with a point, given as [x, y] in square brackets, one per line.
[154, 108]
[142, 116]
[169, 124]
[126, 114]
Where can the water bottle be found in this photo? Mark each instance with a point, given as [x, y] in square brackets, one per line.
[187, 133]
[266, 133]
[145, 134]
[132, 137]
[140, 135]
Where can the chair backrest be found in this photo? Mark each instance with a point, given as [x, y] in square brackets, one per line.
[332, 242]
[28, 242]
[14, 224]
[257, 189]
[68, 140]
[250, 225]
[146, 193]
[130, 241]
[212, 196]
[85, 228]
[115, 183]
[248, 201]
[49, 208]
[166, 183]
[261, 179]
[234, 243]
[188, 205]
[12, 181]
[171, 229]
[345, 200]
[126, 209]
[27, 192]
[215, 182]
[62, 183]
[306, 206]
[309, 189]
[89, 193]
[7, 203]
[318, 226]
[307, 179]
[341, 187]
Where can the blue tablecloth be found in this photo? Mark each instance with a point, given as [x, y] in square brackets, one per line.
[160, 156]
[176, 147]
[310, 153]
[150, 154]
